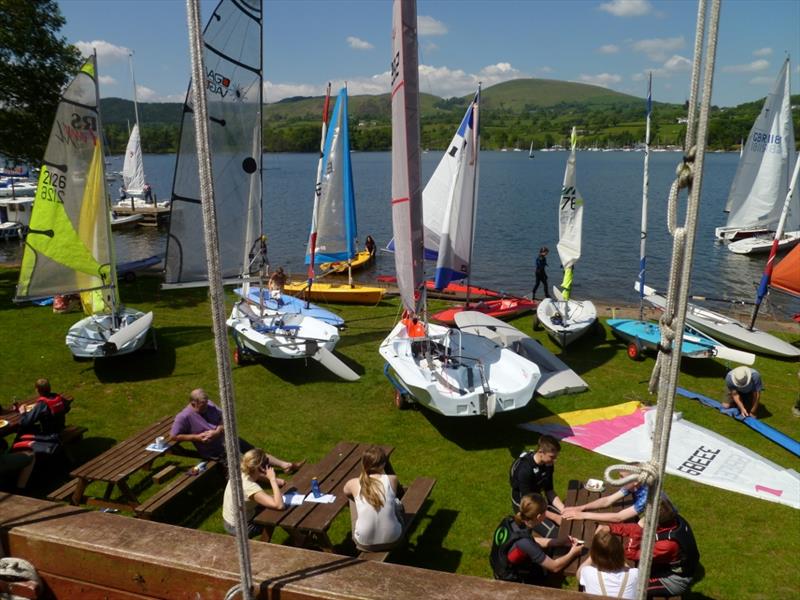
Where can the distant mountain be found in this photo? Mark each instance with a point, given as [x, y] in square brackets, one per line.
[519, 95]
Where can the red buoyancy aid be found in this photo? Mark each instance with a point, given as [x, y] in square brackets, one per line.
[55, 403]
[414, 330]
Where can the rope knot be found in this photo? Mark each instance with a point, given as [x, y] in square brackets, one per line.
[644, 472]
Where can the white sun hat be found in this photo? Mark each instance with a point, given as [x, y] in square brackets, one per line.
[741, 376]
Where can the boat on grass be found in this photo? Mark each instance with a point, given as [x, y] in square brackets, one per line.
[502, 308]
[455, 290]
[286, 304]
[556, 377]
[69, 247]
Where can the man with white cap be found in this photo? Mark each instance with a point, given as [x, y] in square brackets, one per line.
[744, 389]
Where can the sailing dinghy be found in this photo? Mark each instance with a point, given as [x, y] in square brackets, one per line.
[69, 247]
[762, 177]
[448, 371]
[566, 319]
[233, 48]
[333, 222]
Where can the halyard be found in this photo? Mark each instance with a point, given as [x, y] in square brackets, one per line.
[749, 547]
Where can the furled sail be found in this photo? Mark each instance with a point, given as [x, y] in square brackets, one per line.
[570, 221]
[449, 202]
[233, 60]
[335, 216]
[133, 166]
[406, 192]
[68, 245]
[762, 177]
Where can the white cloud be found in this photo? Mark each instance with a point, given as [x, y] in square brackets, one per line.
[105, 50]
[107, 80]
[544, 70]
[674, 65]
[762, 52]
[358, 44]
[278, 91]
[762, 80]
[430, 26]
[602, 79]
[429, 47]
[608, 49]
[627, 8]
[751, 67]
[659, 48]
[146, 94]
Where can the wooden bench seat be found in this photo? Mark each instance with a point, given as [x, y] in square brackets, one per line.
[64, 493]
[154, 503]
[72, 434]
[413, 498]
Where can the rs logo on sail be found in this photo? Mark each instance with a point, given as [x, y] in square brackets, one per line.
[218, 84]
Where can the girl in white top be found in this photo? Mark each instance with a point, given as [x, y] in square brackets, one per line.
[604, 573]
[375, 511]
[255, 467]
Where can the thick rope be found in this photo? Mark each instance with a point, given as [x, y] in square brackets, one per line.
[216, 292]
[689, 176]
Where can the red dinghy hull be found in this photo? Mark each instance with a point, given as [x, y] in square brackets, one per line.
[503, 308]
[454, 291]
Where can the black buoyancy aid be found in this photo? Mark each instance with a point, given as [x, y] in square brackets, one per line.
[505, 536]
[689, 556]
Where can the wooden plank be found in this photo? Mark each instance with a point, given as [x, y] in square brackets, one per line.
[64, 493]
[165, 495]
[165, 473]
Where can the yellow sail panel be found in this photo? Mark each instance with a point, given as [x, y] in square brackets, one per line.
[566, 283]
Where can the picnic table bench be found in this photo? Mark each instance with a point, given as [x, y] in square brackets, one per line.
[413, 497]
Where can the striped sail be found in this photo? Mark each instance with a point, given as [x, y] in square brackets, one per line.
[233, 61]
[762, 177]
[68, 247]
[570, 221]
[335, 215]
[449, 202]
[406, 192]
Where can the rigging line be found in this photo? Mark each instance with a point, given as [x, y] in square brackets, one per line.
[216, 292]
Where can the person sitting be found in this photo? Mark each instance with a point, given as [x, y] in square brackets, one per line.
[255, 467]
[743, 389]
[369, 246]
[532, 473]
[517, 555]
[676, 558]
[40, 427]
[276, 283]
[639, 491]
[605, 573]
[376, 514]
[200, 423]
[20, 462]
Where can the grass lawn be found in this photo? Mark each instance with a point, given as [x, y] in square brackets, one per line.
[749, 547]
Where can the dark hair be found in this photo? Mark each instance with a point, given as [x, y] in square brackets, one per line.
[543, 249]
[607, 552]
[666, 512]
[549, 444]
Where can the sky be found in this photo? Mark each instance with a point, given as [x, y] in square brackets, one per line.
[611, 43]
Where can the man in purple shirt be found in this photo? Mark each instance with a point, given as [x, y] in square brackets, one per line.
[201, 423]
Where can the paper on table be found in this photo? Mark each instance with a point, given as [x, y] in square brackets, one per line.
[324, 499]
[153, 448]
[293, 499]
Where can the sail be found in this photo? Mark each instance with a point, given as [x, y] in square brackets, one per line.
[133, 167]
[233, 61]
[570, 221]
[449, 201]
[68, 246]
[786, 275]
[406, 192]
[762, 177]
[335, 214]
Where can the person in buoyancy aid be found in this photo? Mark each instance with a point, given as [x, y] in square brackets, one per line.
[40, 428]
[415, 330]
[676, 558]
[517, 555]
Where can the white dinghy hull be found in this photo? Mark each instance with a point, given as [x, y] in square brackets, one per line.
[462, 375]
[763, 244]
[557, 378]
[98, 336]
[727, 330]
[581, 315]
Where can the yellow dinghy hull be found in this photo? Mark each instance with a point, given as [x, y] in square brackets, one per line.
[362, 259]
[335, 293]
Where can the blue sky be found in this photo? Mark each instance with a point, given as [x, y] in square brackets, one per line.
[612, 43]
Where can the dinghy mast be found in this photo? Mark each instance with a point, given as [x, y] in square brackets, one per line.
[645, 188]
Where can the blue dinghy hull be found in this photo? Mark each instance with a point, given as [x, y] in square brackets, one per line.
[291, 305]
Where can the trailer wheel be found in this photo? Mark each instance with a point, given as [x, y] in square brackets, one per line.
[635, 351]
[400, 400]
[237, 357]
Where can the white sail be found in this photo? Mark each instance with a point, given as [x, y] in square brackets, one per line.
[133, 167]
[570, 214]
[449, 201]
[406, 192]
[232, 58]
[762, 177]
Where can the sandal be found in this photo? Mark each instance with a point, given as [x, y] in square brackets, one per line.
[295, 466]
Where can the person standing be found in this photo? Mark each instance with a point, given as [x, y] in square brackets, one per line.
[743, 388]
[541, 273]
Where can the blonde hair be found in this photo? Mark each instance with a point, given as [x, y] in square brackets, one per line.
[531, 507]
[607, 552]
[252, 461]
[373, 461]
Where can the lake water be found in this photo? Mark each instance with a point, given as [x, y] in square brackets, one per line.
[517, 213]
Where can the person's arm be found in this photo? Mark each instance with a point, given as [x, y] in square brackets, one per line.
[264, 499]
[756, 401]
[606, 517]
[351, 488]
[602, 502]
[554, 565]
[737, 399]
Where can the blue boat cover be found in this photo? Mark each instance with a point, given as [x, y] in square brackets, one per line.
[291, 305]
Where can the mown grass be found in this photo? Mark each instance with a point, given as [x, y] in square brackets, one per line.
[749, 547]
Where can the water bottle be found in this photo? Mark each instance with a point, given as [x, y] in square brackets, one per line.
[315, 488]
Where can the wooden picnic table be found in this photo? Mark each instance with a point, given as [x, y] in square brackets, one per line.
[578, 495]
[116, 465]
[308, 523]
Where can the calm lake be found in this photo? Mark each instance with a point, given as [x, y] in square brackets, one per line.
[517, 213]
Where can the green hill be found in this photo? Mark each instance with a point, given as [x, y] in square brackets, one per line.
[519, 95]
